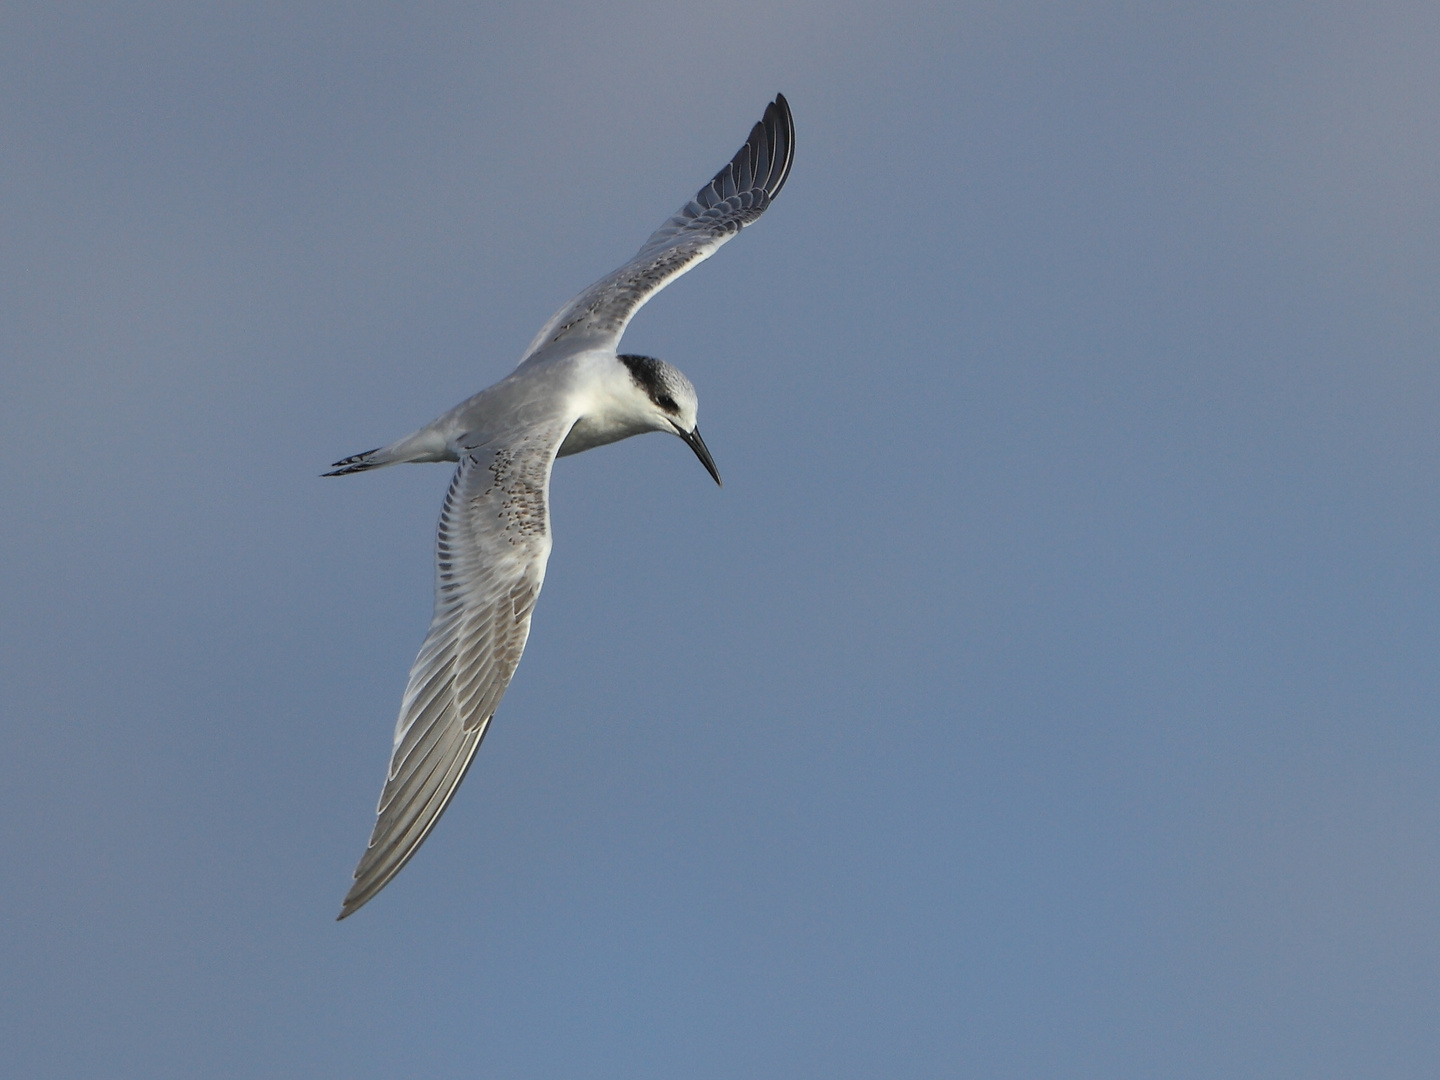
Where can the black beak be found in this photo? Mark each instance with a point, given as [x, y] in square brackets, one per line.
[701, 451]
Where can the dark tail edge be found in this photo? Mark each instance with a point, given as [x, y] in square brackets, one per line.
[355, 463]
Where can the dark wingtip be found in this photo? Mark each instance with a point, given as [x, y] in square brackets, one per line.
[761, 166]
[780, 124]
[353, 902]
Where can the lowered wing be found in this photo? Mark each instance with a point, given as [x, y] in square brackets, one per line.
[490, 554]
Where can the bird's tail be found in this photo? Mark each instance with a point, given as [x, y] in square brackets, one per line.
[370, 459]
[427, 444]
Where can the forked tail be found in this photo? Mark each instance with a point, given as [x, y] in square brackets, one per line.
[427, 444]
[370, 459]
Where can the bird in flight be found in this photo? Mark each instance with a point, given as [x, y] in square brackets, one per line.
[572, 391]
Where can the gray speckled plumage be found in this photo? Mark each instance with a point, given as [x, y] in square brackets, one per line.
[490, 553]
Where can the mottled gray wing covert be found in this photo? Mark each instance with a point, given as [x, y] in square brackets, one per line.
[737, 195]
[490, 558]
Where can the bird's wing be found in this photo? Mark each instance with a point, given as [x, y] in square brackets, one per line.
[494, 539]
[737, 195]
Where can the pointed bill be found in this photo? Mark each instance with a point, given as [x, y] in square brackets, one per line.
[702, 451]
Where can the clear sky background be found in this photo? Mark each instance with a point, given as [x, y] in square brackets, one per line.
[1051, 691]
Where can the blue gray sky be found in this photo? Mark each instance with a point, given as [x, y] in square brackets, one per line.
[1051, 690]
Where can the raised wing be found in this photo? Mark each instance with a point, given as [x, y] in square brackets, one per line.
[490, 555]
[737, 195]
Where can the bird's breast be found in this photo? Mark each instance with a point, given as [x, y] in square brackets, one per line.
[597, 429]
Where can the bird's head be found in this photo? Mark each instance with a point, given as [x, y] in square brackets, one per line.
[671, 402]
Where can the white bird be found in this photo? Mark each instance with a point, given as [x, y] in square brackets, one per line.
[572, 391]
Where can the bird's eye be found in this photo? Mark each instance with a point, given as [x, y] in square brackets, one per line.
[666, 402]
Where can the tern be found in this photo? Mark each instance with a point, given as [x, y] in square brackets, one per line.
[572, 391]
